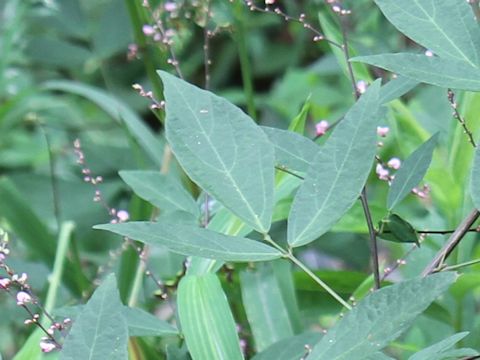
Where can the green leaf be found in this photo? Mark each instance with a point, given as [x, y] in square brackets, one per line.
[395, 88]
[265, 307]
[294, 151]
[194, 241]
[118, 111]
[435, 351]
[222, 150]
[338, 172]
[475, 179]
[160, 190]
[380, 318]
[206, 320]
[447, 27]
[448, 73]
[396, 229]
[100, 331]
[292, 348]
[298, 123]
[142, 323]
[411, 172]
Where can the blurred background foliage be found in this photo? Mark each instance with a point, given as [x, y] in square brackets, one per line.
[66, 72]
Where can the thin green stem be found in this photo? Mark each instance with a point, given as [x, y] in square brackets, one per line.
[66, 230]
[245, 66]
[459, 266]
[309, 272]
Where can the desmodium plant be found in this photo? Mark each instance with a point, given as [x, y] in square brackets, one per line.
[245, 236]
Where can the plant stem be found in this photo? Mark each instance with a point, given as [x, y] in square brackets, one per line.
[373, 238]
[66, 230]
[309, 272]
[458, 266]
[245, 67]
[452, 243]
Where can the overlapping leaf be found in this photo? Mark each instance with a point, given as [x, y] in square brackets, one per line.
[222, 150]
[194, 241]
[380, 318]
[160, 190]
[338, 172]
[100, 330]
[411, 172]
[206, 320]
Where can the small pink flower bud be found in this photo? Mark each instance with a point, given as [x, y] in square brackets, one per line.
[394, 163]
[5, 283]
[47, 346]
[148, 30]
[123, 215]
[361, 86]
[170, 6]
[23, 298]
[321, 127]
[382, 130]
[382, 173]
[429, 53]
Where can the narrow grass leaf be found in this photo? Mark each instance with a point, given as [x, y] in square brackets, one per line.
[443, 72]
[380, 318]
[437, 351]
[222, 150]
[338, 173]
[265, 307]
[206, 319]
[142, 323]
[100, 330]
[293, 151]
[160, 190]
[298, 123]
[194, 241]
[411, 172]
[447, 27]
[118, 111]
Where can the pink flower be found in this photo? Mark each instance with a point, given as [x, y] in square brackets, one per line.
[394, 163]
[148, 30]
[122, 215]
[382, 130]
[23, 298]
[429, 53]
[5, 283]
[361, 86]
[321, 127]
[170, 6]
[47, 346]
[382, 173]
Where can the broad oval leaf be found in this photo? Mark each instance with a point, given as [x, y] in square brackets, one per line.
[194, 241]
[380, 318]
[394, 228]
[142, 323]
[411, 172]
[206, 320]
[475, 179]
[100, 331]
[222, 150]
[338, 172]
[446, 27]
[443, 72]
[160, 190]
[292, 150]
[265, 307]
